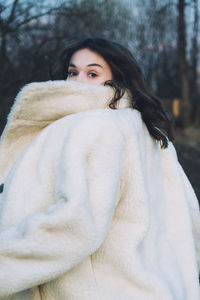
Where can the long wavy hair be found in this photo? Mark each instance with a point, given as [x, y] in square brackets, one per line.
[126, 75]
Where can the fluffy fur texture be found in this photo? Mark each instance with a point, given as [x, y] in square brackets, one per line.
[92, 207]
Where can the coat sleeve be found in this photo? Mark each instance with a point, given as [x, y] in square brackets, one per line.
[193, 206]
[47, 244]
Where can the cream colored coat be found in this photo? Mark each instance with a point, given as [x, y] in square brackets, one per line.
[92, 207]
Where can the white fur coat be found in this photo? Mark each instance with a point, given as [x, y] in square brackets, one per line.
[92, 208]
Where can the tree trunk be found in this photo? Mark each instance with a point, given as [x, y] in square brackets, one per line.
[183, 64]
[194, 64]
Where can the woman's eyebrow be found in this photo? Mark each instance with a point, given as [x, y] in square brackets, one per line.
[97, 65]
[90, 65]
[72, 65]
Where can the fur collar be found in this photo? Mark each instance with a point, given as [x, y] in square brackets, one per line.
[39, 104]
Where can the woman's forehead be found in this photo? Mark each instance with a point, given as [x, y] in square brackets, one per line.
[86, 57]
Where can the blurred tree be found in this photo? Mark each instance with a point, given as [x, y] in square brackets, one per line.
[18, 20]
[166, 35]
[156, 46]
[195, 108]
[16, 17]
[76, 18]
[183, 63]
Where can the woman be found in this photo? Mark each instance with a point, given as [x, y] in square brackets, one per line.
[94, 204]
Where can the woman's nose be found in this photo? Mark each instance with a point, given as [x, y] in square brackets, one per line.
[81, 78]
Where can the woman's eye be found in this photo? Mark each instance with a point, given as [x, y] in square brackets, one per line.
[71, 74]
[92, 74]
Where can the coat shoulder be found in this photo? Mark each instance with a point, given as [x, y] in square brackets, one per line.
[118, 120]
[93, 124]
[89, 126]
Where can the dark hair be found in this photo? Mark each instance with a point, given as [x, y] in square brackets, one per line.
[126, 75]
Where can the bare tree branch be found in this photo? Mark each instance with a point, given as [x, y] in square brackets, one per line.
[28, 20]
[12, 13]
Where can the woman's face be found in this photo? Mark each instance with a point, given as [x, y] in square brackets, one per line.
[88, 67]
